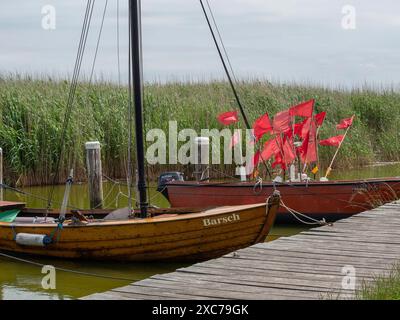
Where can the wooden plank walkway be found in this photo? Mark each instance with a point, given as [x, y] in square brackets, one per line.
[305, 266]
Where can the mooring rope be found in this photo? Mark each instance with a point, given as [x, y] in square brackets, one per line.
[296, 215]
[89, 274]
[28, 194]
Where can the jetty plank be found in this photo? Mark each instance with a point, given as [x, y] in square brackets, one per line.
[305, 266]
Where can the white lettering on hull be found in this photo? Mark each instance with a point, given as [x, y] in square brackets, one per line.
[221, 220]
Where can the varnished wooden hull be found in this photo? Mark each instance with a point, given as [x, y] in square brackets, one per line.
[193, 236]
[330, 200]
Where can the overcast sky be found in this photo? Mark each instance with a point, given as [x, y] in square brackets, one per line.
[285, 40]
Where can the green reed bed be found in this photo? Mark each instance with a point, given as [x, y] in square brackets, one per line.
[32, 111]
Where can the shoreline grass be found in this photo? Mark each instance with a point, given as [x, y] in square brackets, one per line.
[382, 287]
[32, 110]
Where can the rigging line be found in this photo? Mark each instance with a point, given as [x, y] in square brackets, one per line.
[89, 274]
[221, 41]
[25, 193]
[129, 156]
[225, 67]
[118, 46]
[71, 92]
[71, 95]
[98, 40]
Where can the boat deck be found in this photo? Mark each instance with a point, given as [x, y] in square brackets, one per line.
[311, 265]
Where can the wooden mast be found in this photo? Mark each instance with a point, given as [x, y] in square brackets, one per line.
[137, 93]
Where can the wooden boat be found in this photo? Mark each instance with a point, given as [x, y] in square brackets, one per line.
[136, 235]
[331, 200]
[168, 236]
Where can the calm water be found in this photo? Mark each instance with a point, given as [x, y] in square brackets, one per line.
[20, 280]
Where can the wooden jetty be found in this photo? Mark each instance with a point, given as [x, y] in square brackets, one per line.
[315, 264]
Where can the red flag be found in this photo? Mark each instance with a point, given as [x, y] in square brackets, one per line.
[271, 147]
[345, 123]
[289, 155]
[228, 118]
[262, 126]
[278, 161]
[256, 159]
[298, 128]
[304, 109]
[308, 149]
[319, 118]
[301, 129]
[312, 145]
[332, 141]
[302, 150]
[281, 121]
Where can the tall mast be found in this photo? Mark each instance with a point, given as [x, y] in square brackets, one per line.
[137, 93]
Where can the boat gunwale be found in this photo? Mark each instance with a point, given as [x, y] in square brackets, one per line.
[281, 184]
[158, 219]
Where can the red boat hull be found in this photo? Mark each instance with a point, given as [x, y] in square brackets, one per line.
[331, 200]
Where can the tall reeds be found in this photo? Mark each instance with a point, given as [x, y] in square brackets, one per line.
[31, 115]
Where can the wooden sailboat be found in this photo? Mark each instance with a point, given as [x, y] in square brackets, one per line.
[157, 235]
[174, 236]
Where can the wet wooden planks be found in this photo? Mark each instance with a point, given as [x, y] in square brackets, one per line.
[310, 265]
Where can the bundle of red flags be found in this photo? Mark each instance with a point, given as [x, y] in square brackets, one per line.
[283, 130]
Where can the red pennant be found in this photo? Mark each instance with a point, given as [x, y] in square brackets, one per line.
[301, 129]
[345, 123]
[278, 161]
[319, 118]
[332, 141]
[304, 109]
[289, 155]
[262, 126]
[281, 122]
[298, 128]
[271, 147]
[228, 118]
[308, 149]
[312, 155]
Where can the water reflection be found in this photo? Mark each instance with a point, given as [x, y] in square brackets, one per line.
[23, 281]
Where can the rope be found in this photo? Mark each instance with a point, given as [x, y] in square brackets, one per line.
[259, 184]
[118, 47]
[36, 196]
[242, 111]
[224, 174]
[72, 91]
[57, 231]
[89, 274]
[221, 41]
[98, 41]
[296, 215]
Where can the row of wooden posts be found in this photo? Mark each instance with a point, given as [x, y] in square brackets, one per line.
[95, 172]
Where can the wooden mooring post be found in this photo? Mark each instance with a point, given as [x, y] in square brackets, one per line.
[1, 175]
[95, 174]
[202, 147]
